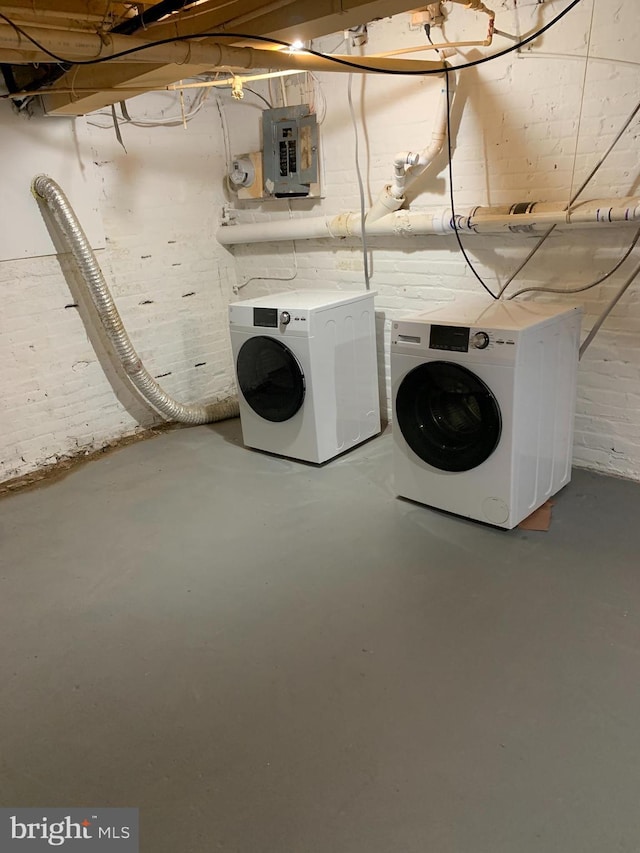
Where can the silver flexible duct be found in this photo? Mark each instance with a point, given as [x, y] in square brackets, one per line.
[47, 189]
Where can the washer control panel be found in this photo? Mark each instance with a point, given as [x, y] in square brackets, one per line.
[275, 318]
[410, 336]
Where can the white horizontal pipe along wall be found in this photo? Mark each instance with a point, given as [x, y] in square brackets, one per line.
[159, 204]
[525, 128]
[515, 124]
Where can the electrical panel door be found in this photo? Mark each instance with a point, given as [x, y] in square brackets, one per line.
[290, 151]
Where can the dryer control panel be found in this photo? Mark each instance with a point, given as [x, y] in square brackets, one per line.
[277, 320]
[415, 337]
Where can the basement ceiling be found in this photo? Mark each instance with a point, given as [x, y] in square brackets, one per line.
[80, 31]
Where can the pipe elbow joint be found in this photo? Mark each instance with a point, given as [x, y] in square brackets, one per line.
[405, 158]
[386, 203]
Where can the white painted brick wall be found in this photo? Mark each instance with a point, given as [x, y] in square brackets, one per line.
[160, 203]
[515, 122]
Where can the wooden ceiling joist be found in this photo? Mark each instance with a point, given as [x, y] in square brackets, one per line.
[215, 15]
[26, 18]
[89, 87]
[88, 8]
[283, 19]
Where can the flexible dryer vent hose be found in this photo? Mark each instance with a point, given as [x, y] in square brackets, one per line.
[47, 189]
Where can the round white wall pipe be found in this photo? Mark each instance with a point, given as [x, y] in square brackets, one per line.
[408, 165]
[402, 222]
[534, 218]
[76, 45]
[47, 190]
[385, 203]
[438, 135]
[538, 216]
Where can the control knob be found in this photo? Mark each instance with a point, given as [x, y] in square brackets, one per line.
[480, 340]
[285, 318]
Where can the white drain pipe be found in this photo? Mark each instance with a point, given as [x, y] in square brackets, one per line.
[525, 218]
[47, 189]
[417, 163]
[409, 165]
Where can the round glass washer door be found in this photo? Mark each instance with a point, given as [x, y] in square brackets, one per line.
[448, 416]
[270, 378]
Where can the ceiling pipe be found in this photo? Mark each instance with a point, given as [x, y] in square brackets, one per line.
[129, 25]
[75, 46]
[522, 218]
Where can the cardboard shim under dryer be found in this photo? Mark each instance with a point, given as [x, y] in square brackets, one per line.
[539, 520]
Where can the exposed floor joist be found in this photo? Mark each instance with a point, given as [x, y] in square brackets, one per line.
[86, 88]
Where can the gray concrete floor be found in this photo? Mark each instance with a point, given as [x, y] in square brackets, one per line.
[267, 657]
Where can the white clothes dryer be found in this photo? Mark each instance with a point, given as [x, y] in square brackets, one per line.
[306, 369]
[483, 406]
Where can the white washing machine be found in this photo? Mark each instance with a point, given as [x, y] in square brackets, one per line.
[483, 406]
[306, 369]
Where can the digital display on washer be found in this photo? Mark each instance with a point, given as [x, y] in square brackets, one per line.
[265, 317]
[453, 338]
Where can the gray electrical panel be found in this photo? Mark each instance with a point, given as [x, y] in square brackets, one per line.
[289, 151]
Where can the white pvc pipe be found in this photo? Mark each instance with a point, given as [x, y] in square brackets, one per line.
[409, 165]
[438, 136]
[535, 217]
[76, 45]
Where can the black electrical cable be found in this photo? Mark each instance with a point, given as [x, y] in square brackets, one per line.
[427, 32]
[9, 78]
[454, 223]
[568, 291]
[150, 16]
[273, 41]
[573, 198]
[258, 95]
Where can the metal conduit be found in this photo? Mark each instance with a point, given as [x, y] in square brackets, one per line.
[46, 189]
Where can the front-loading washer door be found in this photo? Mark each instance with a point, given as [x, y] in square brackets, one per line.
[270, 378]
[448, 416]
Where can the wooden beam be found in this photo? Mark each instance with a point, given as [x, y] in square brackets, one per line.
[103, 91]
[19, 57]
[79, 8]
[83, 79]
[79, 46]
[286, 20]
[161, 65]
[27, 18]
[215, 15]
[291, 24]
